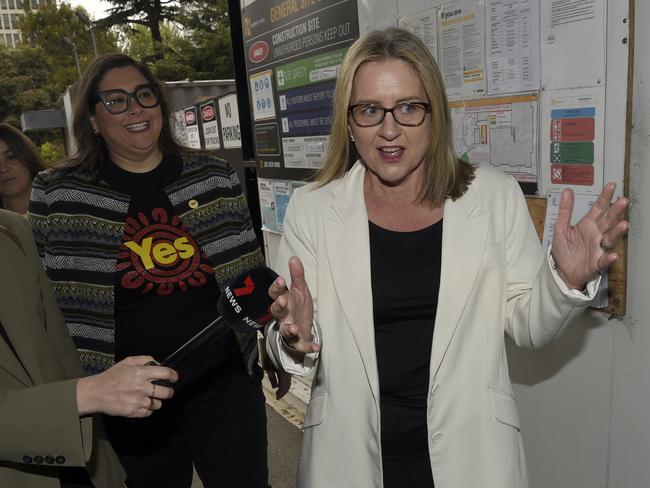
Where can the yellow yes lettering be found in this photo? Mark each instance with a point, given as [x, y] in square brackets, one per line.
[162, 253]
[185, 249]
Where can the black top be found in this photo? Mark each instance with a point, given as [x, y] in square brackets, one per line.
[405, 269]
[165, 289]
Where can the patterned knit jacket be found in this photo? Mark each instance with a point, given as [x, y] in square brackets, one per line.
[78, 221]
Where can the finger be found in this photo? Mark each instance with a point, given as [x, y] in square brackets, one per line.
[162, 392]
[312, 347]
[307, 347]
[279, 308]
[611, 238]
[601, 205]
[277, 288]
[607, 260]
[154, 404]
[150, 404]
[300, 345]
[563, 221]
[161, 373]
[290, 331]
[614, 214]
[297, 273]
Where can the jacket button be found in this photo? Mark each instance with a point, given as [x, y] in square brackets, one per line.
[49, 459]
[59, 460]
[27, 460]
[437, 437]
[38, 459]
[193, 204]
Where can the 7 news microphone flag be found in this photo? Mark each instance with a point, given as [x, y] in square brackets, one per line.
[244, 305]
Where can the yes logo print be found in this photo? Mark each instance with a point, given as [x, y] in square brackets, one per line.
[160, 255]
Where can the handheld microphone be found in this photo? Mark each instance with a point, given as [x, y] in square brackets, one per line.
[244, 305]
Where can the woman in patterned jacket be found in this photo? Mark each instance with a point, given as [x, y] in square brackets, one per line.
[138, 235]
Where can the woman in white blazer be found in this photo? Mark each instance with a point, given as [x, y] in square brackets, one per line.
[409, 267]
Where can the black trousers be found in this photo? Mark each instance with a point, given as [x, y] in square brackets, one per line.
[217, 423]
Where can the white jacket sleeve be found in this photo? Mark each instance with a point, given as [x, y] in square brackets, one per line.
[296, 241]
[539, 305]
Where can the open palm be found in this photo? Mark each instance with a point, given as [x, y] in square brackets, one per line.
[582, 251]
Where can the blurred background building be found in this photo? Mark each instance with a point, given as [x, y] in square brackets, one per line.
[10, 13]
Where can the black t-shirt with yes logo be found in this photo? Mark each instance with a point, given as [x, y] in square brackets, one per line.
[165, 289]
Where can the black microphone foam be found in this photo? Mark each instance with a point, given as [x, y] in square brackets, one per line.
[245, 303]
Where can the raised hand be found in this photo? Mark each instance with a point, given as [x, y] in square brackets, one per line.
[126, 389]
[582, 251]
[293, 310]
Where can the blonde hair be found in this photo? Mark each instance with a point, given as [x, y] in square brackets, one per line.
[447, 176]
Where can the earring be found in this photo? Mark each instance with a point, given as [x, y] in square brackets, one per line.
[352, 138]
[96, 132]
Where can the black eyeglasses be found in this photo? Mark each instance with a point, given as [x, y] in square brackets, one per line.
[118, 101]
[409, 114]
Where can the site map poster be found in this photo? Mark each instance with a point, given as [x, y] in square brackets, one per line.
[294, 49]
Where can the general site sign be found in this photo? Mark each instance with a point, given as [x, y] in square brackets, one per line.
[294, 49]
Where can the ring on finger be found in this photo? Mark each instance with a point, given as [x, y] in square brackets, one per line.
[286, 343]
[286, 322]
[153, 390]
[604, 247]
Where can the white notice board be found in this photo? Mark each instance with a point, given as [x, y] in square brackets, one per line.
[570, 58]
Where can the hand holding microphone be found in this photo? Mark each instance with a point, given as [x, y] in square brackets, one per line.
[293, 309]
[130, 388]
[243, 306]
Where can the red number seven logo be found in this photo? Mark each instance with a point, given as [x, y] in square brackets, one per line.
[245, 290]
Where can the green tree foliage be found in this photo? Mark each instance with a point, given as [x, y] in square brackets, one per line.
[209, 48]
[137, 43]
[195, 46]
[179, 40]
[20, 77]
[37, 72]
[148, 13]
[46, 28]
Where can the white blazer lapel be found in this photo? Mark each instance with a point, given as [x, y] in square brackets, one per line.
[464, 236]
[348, 252]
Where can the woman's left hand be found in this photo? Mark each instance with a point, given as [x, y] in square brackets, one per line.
[582, 251]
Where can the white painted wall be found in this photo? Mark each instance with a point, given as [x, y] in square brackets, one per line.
[629, 447]
[585, 401]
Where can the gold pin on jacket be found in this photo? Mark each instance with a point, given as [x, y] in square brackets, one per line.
[193, 203]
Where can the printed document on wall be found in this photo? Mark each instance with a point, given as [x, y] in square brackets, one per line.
[461, 28]
[282, 191]
[267, 205]
[512, 45]
[572, 134]
[423, 24]
[498, 131]
[569, 29]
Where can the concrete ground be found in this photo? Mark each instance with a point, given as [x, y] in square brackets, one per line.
[284, 447]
